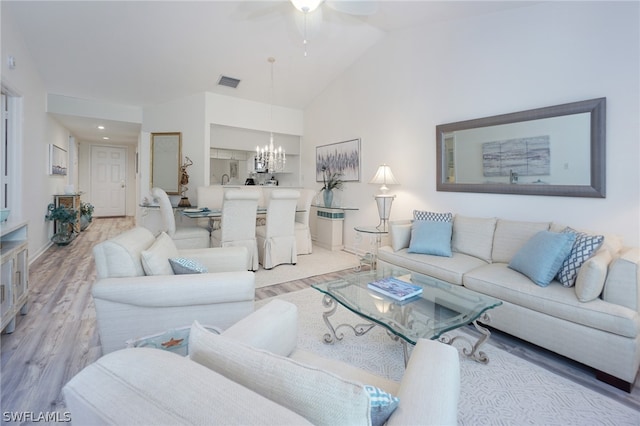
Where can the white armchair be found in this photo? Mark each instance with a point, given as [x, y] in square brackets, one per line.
[184, 237]
[131, 303]
[152, 386]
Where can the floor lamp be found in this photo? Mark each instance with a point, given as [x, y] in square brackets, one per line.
[384, 177]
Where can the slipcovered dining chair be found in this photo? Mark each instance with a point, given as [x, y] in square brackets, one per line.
[238, 224]
[184, 237]
[211, 197]
[303, 234]
[277, 239]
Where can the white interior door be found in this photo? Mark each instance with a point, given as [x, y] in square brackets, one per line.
[108, 180]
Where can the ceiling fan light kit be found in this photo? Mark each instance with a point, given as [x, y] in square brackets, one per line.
[306, 6]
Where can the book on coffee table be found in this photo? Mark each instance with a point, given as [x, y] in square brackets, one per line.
[395, 288]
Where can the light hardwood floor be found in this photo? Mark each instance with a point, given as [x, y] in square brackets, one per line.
[58, 337]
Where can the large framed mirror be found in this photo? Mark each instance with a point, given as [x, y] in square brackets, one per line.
[166, 155]
[557, 150]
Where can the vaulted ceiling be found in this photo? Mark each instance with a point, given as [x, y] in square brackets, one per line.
[143, 53]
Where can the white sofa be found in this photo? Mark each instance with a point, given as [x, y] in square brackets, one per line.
[263, 379]
[136, 292]
[596, 322]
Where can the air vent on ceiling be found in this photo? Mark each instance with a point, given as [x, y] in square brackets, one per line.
[228, 81]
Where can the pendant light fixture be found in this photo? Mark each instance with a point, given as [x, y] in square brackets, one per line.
[270, 159]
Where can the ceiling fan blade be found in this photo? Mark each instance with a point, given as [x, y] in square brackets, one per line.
[258, 10]
[354, 7]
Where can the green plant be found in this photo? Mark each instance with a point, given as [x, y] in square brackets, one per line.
[86, 209]
[63, 215]
[331, 180]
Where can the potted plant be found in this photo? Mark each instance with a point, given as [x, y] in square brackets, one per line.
[86, 215]
[65, 218]
[331, 181]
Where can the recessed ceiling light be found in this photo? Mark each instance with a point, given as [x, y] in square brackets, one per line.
[101, 127]
[106, 138]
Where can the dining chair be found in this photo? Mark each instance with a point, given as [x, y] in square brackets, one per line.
[303, 234]
[277, 238]
[211, 197]
[238, 223]
[183, 237]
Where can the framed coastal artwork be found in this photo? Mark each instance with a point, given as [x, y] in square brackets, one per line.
[340, 157]
[57, 161]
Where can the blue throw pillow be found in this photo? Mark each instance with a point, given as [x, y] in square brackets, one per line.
[382, 404]
[431, 237]
[180, 266]
[541, 257]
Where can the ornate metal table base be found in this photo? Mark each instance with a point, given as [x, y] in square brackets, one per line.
[472, 351]
[332, 336]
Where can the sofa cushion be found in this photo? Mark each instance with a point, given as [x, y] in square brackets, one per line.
[499, 281]
[590, 278]
[450, 269]
[155, 259]
[473, 236]
[182, 265]
[434, 216]
[621, 285]
[318, 396]
[510, 235]
[583, 248]
[431, 237]
[400, 234]
[147, 386]
[541, 257]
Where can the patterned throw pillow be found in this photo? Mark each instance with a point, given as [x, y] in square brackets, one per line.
[583, 248]
[180, 266]
[433, 216]
[382, 404]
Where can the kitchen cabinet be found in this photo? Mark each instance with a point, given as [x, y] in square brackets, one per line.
[14, 272]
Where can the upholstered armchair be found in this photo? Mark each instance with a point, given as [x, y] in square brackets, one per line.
[184, 237]
[136, 292]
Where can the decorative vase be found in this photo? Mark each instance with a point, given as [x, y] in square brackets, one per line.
[63, 238]
[328, 197]
[84, 222]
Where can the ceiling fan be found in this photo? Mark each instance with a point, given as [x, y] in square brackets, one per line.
[356, 8]
[316, 10]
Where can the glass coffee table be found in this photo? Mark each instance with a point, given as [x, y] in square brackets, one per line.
[440, 308]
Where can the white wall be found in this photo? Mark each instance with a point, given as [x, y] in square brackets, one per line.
[543, 55]
[38, 130]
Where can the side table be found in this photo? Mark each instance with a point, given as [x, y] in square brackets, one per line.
[371, 256]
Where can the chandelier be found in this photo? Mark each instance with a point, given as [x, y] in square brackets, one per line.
[269, 158]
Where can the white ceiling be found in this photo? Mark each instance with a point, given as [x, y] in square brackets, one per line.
[143, 53]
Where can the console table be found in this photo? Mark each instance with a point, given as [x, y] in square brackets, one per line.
[328, 226]
[14, 271]
[70, 201]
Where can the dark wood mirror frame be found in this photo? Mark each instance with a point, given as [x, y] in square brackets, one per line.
[597, 110]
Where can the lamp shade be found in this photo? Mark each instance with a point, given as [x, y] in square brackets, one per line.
[384, 177]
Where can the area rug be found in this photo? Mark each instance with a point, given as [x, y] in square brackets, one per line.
[507, 391]
[321, 261]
